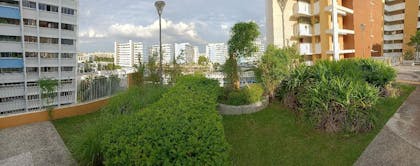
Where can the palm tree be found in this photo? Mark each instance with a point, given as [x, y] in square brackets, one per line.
[415, 41]
[283, 4]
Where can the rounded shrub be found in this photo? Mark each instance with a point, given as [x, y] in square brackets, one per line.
[182, 128]
[247, 95]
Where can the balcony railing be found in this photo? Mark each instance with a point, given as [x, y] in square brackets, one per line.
[12, 91]
[305, 48]
[49, 74]
[393, 46]
[11, 77]
[318, 49]
[303, 29]
[394, 37]
[396, 17]
[302, 9]
[12, 105]
[49, 61]
[395, 27]
[391, 8]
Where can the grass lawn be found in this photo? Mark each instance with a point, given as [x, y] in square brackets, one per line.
[275, 136]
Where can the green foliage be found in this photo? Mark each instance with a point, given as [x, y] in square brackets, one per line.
[182, 128]
[338, 96]
[244, 96]
[408, 55]
[104, 59]
[89, 148]
[241, 44]
[203, 61]
[48, 92]
[274, 67]
[153, 70]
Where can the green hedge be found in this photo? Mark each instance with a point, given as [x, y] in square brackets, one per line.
[337, 96]
[247, 95]
[182, 128]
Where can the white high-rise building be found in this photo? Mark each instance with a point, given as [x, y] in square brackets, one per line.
[38, 41]
[255, 57]
[196, 54]
[217, 52]
[128, 54]
[184, 53]
[167, 56]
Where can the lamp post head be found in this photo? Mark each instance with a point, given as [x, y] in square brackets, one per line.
[159, 6]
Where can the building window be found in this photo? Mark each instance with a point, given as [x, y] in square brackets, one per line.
[10, 99]
[29, 22]
[10, 38]
[11, 70]
[67, 11]
[32, 69]
[49, 69]
[48, 40]
[66, 94]
[33, 97]
[46, 24]
[9, 21]
[67, 41]
[31, 39]
[49, 8]
[31, 54]
[10, 55]
[66, 68]
[29, 4]
[48, 55]
[68, 55]
[67, 27]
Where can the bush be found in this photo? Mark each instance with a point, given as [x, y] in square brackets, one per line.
[248, 95]
[337, 96]
[182, 128]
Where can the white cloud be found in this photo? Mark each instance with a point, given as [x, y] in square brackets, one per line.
[91, 34]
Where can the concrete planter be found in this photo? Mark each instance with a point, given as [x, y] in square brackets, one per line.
[243, 109]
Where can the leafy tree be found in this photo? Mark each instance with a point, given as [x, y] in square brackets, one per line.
[153, 69]
[273, 68]
[241, 44]
[415, 41]
[202, 60]
[48, 92]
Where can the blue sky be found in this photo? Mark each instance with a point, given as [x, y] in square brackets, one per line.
[101, 22]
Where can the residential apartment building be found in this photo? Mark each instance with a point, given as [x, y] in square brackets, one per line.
[128, 54]
[327, 29]
[255, 57]
[167, 55]
[196, 54]
[402, 20]
[217, 52]
[184, 53]
[38, 40]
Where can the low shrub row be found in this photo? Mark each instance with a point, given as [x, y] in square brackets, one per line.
[338, 96]
[247, 95]
[181, 128]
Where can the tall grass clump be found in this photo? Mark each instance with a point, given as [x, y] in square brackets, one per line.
[338, 96]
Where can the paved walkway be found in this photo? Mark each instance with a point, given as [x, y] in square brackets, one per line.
[399, 141]
[36, 144]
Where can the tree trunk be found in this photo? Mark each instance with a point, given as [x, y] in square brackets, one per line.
[272, 97]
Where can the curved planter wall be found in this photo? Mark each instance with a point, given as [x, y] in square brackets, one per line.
[242, 109]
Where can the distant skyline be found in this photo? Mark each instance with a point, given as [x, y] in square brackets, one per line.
[102, 22]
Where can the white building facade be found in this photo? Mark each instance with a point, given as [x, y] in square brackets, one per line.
[184, 53]
[217, 52]
[38, 40]
[167, 55]
[128, 54]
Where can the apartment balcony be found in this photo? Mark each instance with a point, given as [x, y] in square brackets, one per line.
[46, 47]
[67, 99]
[12, 105]
[341, 10]
[393, 46]
[317, 29]
[418, 24]
[68, 74]
[52, 2]
[68, 62]
[49, 32]
[34, 103]
[305, 48]
[396, 17]
[45, 62]
[30, 30]
[8, 29]
[318, 49]
[67, 87]
[48, 16]
[69, 3]
[68, 34]
[6, 46]
[69, 19]
[31, 47]
[29, 13]
[396, 27]
[68, 48]
[33, 90]
[302, 9]
[393, 54]
[49, 74]
[303, 30]
[32, 76]
[12, 91]
[31, 62]
[394, 37]
[12, 77]
[316, 8]
[391, 8]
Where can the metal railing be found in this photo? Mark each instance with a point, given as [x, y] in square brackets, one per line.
[93, 88]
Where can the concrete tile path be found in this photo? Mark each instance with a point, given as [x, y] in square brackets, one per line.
[399, 141]
[36, 144]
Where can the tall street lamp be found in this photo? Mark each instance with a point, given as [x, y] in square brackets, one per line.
[159, 7]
